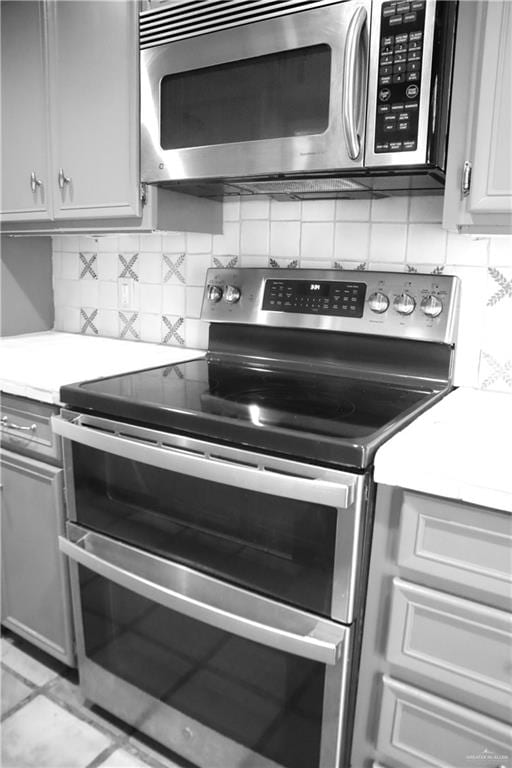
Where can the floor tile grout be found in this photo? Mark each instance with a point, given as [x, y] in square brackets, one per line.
[95, 720]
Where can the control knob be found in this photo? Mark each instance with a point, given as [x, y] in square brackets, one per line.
[404, 304]
[432, 306]
[214, 293]
[232, 294]
[378, 302]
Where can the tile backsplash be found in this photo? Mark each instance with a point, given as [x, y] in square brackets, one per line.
[150, 287]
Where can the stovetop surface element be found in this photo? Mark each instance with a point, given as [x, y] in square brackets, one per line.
[316, 415]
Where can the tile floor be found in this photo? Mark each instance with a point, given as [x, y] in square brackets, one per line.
[45, 723]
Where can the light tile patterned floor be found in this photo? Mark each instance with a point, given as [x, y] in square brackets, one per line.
[45, 724]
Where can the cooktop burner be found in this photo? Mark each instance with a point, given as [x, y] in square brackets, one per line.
[279, 397]
[258, 406]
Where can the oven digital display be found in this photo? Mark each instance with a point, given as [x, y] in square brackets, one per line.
[317, 289]
[323, 297]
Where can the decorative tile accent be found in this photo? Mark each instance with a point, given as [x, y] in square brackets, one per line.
[127, 321]
[225, 262]
[493, 372]
[174, 370]
[358, 268]
[174, 267]
[128, 265]
[424, 269]
[283, 263]
[87, 318]
[88, 265]
[172, 330]
[505, 287]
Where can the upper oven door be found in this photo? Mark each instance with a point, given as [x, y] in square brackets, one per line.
[285, 529]
[283, 95]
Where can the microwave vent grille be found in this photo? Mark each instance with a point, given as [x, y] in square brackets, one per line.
[190, 18]
[298, 187]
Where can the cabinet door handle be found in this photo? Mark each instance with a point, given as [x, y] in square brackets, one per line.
[11, 425]
[34, 181]
[63, 179]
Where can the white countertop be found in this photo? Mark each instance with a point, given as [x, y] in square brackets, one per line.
[36, 365]
[459, 449]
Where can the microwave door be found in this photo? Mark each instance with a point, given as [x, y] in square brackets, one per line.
[285, 95]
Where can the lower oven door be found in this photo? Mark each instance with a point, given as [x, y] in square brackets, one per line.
[289, 530]
[224, 677]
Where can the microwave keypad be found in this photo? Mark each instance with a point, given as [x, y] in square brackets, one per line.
[398, 92]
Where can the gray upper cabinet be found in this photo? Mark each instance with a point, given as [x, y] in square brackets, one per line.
[70, 110]
[93, 77]
[24, 118]
[478, 196]
[70, 124]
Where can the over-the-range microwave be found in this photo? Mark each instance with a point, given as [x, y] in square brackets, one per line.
[296, 98]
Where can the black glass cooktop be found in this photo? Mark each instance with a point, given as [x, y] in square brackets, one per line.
[298, 413]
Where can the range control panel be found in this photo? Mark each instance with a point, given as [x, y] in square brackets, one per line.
[315, 297]
[402, 28]
[413, 306]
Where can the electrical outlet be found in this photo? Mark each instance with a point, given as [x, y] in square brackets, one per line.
[125, 294]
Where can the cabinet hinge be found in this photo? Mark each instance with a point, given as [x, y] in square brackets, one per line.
[466, 178]
[143, 194]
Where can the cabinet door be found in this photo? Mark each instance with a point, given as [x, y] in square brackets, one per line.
[480, 198]
[35, 583]
[93, 58]
[24, 110]
[417, 730]
[491, 184]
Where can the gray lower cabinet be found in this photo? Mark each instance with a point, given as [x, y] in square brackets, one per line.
[35, 582]
[435, 682]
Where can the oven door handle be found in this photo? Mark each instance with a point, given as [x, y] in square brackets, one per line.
[207, 599]
[316, 490]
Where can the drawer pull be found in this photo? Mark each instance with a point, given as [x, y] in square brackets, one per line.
[11, 425]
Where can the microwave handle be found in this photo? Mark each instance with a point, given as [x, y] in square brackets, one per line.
[355, 31]
[315, 490]
[178, 588]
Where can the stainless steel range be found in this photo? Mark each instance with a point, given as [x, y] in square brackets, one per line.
[220, 510]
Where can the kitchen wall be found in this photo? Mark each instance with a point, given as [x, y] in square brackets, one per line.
[162, 275]
[26, 296]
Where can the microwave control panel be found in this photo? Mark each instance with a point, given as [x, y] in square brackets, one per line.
[402, 27]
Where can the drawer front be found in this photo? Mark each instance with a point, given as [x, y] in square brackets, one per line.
[457, 547]
[452, 646]
[418, 729]
[26, 428]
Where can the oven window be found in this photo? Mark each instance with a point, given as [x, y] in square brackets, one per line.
[261, 698]
[268, 97]
[280, 547]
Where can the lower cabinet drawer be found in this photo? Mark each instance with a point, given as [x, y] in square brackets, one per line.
[457, 547]
[418, 729]
[455, 647]
[26, 428]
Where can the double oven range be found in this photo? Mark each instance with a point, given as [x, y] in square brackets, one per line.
[220, 510]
